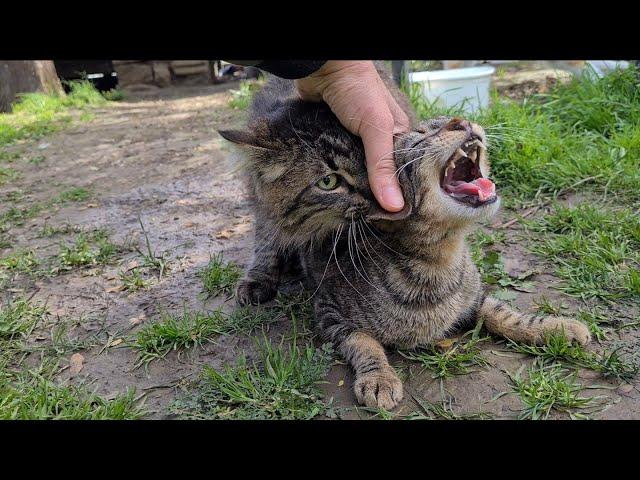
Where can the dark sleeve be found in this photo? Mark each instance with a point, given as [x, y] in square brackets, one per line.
[284, 68]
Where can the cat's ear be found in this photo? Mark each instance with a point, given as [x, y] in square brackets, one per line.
[376, 212]
[243, 138]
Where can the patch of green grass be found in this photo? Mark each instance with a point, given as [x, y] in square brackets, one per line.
[241, 98]
[132, 280]
[39, 114]
[52, 230]
[37, 160]
[10, 157]
[61, 341]
[23, 261]
[114, 95]
[558, 349]
[176, 333]
[442, 411]
[219, 277]
[595, 318]
[247, 319]
[73, 194]
[281, 384]
[7, 174]
[17, 216]
[596, 250]
[601, 105]
[491, 265]
[18, 318]
[551, 387]
[460, 359]
[150, 258]
[33, 396]
[545, 307]
[15, 195]
[87, 249]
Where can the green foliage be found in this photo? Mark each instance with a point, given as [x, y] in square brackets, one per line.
[596, 250]
[282, 384]
[241, 98]
[219, 277]
[550, 387]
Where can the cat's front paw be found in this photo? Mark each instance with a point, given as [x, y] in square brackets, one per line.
[252, 292]
[381, 389]
[574, 330]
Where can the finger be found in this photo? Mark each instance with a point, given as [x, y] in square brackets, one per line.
[377, 136]
[401, 120]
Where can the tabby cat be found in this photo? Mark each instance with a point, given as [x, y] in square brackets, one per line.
[378, 279]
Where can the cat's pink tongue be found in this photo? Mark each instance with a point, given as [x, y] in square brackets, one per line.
[483, 188]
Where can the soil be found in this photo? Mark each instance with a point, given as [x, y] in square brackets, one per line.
[157, 157]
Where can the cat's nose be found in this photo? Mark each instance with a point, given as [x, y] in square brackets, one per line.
[458, 124]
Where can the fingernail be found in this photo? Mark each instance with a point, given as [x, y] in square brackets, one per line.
[392, 196]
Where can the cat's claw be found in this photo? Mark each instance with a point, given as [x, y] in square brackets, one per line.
[252, 292]
[381, 389]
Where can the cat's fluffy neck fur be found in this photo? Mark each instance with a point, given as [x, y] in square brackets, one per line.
[431, 244]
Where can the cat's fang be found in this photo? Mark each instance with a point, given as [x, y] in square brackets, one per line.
[461, 152]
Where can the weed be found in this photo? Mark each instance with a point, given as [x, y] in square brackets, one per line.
[23, 261]
[39, 114]
[132, 280]
[247, 319]
[7, 174]
[458, 360]
[550, 387]
[282, 384]
[558, 349]
[88, 249]
[176, 333]
[219, 277]
[596, 251]
[73, 194]
[545, 307]
[33, 396]
[443, 410]
[150, 258]
[241, 98]
[18, 318]
[114, 95]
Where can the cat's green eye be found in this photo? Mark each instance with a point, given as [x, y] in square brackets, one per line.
[330, 182]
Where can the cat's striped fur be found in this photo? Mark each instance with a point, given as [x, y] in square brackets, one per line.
[379, 279]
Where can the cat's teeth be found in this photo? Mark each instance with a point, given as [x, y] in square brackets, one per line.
[473, 155]
[451, 166]
[481, 145]
[462, 153]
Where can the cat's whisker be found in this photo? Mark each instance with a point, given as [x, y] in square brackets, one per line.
[366, 224]
[366, 244]
[335, 256]
[365, 277]
[338, 232]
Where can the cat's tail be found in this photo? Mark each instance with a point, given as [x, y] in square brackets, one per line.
[501, 319]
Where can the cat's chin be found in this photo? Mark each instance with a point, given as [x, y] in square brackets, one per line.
[474, 211]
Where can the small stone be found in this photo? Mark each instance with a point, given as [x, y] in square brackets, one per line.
[625, 388]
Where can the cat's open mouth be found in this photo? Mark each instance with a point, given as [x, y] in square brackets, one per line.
[461, 177]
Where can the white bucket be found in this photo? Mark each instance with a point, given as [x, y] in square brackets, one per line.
[465, 87]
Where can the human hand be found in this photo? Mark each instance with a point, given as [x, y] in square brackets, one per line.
[361, 101]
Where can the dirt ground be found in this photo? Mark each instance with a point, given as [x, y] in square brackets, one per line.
[156, 156]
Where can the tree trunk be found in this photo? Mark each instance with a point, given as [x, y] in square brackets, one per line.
[22, 76]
